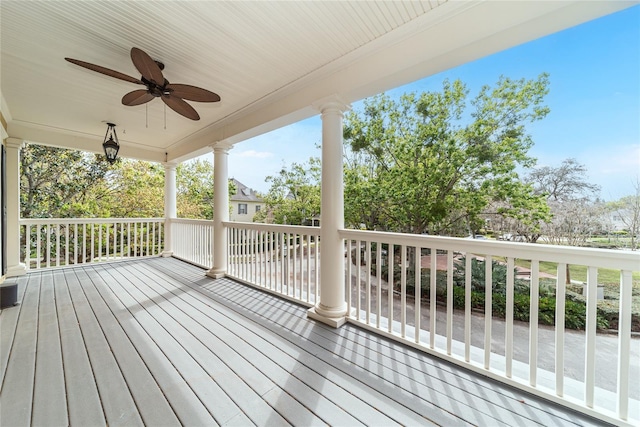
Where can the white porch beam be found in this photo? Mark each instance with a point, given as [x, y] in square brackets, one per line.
[332, 307]
[14, 267]
[170, 209]
[75, 141]
[220, 210]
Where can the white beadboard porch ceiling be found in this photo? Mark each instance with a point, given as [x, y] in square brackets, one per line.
[269, 61]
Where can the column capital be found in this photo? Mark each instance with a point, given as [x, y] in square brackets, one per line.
[170, 165]
[221, 150]
[16, 143]
[221, 146]
[332, 103]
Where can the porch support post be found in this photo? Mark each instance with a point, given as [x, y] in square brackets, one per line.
[14, 266]
[170, 210]
[220, 210]
[332, 307]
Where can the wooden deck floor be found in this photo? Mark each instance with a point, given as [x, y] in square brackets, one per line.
[155, 342]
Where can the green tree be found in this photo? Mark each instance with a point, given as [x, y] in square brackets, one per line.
[194, 189]
[59, 183]
[136, 190]
[294, 194]
[425, 163]
[73, 184]
[520, 212]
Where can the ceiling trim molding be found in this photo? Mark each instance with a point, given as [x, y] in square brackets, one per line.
[76, 141]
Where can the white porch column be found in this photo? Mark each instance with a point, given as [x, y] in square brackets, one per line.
[332, 307]
[14, 267]
[170, 210]
[220, 211]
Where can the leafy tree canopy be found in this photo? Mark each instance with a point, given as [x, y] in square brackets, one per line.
[433, 162]
[60, 183]
[294, 195]
[194, 189]
[73, 184]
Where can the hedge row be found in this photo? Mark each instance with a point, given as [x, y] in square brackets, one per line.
[575, 307]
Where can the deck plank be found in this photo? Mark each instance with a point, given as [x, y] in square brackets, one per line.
[184, 401]
[219, 359]
[336, 365]
[365, 389]
[241, 357]
[49, 396]
[258, 344]
[16, 393]
[149, 398]
[443, 392]
[488, 393]
[85, 408]
[476, 398]
[8, 323]
[219, 405]
[157, 335]
[510, 410]
[118, 404]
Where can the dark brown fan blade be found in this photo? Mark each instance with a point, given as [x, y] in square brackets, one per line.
[192, 93]
[147, 66]
[137, 97]
[105, 71]
[181, 107]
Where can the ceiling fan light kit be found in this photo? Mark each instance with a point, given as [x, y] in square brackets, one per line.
[157, 86]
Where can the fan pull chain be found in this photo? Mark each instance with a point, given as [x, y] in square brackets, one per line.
[165, 116]
[146, 116]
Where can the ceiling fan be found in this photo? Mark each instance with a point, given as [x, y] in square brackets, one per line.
[173, 95]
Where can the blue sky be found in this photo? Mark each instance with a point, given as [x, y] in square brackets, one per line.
[594, 99]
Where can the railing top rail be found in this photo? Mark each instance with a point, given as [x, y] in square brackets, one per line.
[298, 229]
[604, 258]
[191, 221]
[41, 221]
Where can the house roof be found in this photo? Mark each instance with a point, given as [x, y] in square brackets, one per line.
[244, 193]
[271, 62]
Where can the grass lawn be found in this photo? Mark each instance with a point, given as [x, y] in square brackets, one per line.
[579, 272]
[610, 279]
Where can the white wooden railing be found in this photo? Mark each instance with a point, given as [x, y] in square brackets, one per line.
[280, 259]
[60, 242]
[192, 241]
[426, 318]
[384, 298]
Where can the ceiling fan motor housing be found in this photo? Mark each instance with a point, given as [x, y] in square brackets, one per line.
[155, 89]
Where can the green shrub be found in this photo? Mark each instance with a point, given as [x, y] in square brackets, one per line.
[575, 305]
[547, 311]
[478, 281]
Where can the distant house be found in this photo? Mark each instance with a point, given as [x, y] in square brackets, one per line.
[615, 220]
[245, 203]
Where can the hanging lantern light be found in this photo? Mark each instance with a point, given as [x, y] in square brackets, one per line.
[110, 144]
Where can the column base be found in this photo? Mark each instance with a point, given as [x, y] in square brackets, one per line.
[166, 254]
[216, 274]
[17, 270]
[334, 322]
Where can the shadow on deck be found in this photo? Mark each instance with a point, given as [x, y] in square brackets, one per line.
[155, 342]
